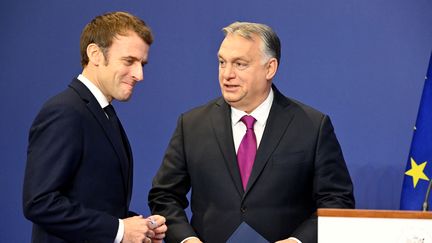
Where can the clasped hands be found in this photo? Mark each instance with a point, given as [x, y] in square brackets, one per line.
[138, 229]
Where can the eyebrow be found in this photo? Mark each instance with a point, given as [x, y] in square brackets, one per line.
[234, 59]
[135, 59]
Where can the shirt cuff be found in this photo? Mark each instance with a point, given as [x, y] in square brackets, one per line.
[120, 232]
[295, 239]
[192, 237]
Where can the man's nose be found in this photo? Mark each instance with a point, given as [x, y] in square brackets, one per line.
[228, 72]
[137, 72]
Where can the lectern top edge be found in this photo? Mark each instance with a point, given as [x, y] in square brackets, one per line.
[365, 213]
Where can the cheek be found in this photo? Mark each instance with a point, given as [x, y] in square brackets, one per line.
[221, 79]
[124, 72]
[220, 75]
[244, 80]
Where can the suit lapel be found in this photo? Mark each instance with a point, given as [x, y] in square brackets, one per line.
[128, 153]
[95, 108]
[277, 123]
[221, 123]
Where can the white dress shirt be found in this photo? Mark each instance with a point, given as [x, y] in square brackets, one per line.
[260, 114]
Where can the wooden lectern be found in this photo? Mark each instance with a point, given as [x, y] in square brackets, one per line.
[374, 226]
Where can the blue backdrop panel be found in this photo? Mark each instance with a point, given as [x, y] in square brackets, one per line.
[361, 62]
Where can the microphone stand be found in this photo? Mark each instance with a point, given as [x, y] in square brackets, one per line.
[425, 203]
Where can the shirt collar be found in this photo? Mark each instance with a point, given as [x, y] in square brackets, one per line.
[260, 113]
[97, 93]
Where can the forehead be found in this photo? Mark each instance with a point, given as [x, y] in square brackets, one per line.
[236, 46]
[129, 45]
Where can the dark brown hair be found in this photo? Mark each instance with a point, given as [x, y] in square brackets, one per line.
[102, 29]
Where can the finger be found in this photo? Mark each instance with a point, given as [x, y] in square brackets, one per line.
[159, 219]
[161, 229]
[150, 233]
[152, 223]
[159, 236]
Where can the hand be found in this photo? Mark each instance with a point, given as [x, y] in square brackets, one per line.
[136, 230]
[193, 240]
[157, 224]
[286, 241]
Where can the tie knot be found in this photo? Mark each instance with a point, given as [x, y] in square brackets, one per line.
[109, 109]
[249, 121]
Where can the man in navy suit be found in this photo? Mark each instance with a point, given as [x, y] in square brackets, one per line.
[78, 179]
[297, 164]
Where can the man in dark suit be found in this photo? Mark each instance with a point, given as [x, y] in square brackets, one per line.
[78, 179]
[252, 156]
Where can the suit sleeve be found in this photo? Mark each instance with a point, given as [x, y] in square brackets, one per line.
[53, 156]
[332, 186]
[170, 187]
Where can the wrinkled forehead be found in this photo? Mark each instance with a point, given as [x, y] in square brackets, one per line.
[237, 45]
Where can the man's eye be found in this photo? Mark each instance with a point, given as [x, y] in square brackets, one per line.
[240, 65]
[128, 62]
[221, 63]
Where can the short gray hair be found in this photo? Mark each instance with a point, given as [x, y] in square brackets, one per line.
[271, 43]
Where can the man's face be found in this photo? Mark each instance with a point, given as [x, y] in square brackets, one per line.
[123, 67]
[244, 76]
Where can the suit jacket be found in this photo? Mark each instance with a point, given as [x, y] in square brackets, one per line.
[299, 167]
[78, 178]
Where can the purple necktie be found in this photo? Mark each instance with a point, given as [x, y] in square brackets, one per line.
[247, 150]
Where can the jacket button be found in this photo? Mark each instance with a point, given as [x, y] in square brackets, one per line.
[243, 209]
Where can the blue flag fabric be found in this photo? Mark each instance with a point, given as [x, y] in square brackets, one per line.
[418, 172]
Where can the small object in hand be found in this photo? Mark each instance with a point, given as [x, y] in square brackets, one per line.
[152, 223]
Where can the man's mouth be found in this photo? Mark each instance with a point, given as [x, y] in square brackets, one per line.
[231, 86]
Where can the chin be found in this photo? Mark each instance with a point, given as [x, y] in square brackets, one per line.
[124, 98]
[230, 97]
[127, 96]
[231, 101]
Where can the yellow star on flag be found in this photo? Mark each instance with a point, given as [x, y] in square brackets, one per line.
[416, 172]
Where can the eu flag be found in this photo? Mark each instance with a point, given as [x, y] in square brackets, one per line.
[418, 172]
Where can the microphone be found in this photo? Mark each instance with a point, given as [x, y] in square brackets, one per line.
[425, 203]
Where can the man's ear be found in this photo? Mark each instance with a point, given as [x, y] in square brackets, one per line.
[272, 66]
[94, 54]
